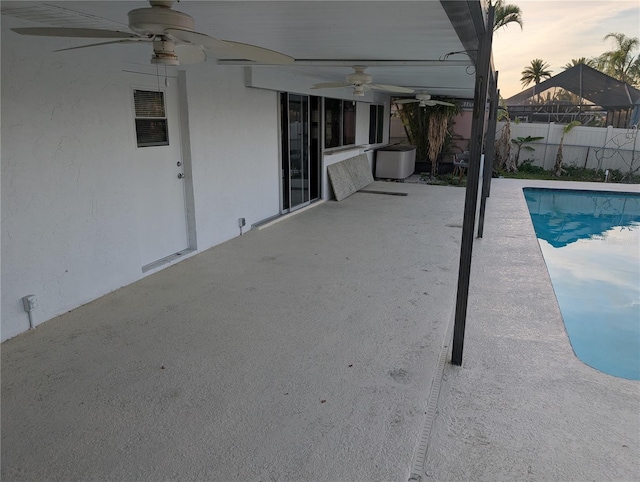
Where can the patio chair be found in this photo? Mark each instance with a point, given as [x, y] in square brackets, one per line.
[460, 163]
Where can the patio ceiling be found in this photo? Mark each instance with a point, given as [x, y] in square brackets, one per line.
[403, 43]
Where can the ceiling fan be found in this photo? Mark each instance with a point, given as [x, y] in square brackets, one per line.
[425, 100]
[361, 82]
[172, 34]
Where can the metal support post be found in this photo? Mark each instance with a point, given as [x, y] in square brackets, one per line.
[471, 198]
[489, 150]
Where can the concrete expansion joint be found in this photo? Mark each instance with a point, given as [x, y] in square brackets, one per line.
[422, 449]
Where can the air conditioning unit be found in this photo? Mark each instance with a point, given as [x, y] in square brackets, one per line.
[395, 162]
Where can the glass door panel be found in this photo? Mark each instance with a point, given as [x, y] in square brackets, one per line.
[295, 151]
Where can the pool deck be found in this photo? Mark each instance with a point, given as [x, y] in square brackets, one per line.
[311, 351]
[523, 406]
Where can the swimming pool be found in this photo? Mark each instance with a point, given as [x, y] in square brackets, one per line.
[590, 241]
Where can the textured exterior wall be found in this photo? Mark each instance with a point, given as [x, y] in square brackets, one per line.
[68, 227]
[69, 230]
[235, 152]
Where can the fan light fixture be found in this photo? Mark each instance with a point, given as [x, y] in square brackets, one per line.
[164, 53]
[361, 83]
[424, 101]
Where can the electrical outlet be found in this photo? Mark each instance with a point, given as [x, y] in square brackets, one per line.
[30, 303]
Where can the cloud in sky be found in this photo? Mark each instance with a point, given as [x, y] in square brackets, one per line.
[558, 31]
[598, 274]
[611, 259]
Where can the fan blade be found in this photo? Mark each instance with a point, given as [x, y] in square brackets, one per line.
[231, 50]
[190, 54]
[74, 32]
[405, 101]
[197, 38]
[392, 88]
[330, 85]
[122, 41]
[255, 53]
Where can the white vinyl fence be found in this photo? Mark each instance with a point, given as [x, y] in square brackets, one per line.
[588, 147]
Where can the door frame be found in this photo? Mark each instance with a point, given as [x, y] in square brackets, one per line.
[313, 147]
[183, 132]
[187, 164]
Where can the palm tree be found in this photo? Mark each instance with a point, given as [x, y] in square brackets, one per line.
[506, 14]
[620, 63]
[535, 72]
[581, 60]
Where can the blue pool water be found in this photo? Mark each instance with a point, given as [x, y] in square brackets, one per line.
[590, 241]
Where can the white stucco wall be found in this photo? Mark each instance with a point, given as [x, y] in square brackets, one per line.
[67, 224]
[234, 141]
[68, 218]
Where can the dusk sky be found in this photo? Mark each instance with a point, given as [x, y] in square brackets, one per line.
[557, 32]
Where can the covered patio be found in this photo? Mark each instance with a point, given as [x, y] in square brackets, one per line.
[311, 349]
[314, 350]
[301, 351]
[88, 207]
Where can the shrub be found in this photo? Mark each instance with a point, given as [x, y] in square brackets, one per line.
[527, 166]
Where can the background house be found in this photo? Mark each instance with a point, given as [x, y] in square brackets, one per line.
[578, 93]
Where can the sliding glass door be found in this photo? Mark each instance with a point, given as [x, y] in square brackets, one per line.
[297, 155]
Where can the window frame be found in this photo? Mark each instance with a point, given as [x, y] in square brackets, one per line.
[349, 128]
[376, 123]
[162, 120]
[343, 128]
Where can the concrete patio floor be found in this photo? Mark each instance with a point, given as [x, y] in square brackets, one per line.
[302, 351]
[307, 351]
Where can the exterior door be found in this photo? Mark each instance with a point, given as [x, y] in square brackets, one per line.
[160, 203]
[295, 151]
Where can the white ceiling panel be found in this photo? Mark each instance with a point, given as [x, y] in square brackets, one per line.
[339, 32]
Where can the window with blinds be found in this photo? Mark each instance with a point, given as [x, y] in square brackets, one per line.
[151, 118]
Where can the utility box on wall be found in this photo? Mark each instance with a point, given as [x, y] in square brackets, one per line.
[395, 162]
